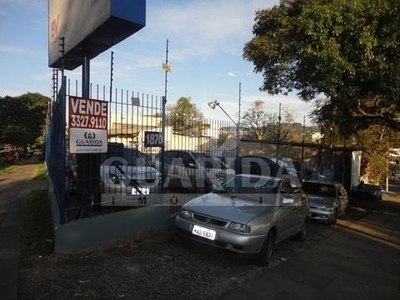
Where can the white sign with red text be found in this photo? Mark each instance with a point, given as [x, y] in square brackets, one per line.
[88, 119]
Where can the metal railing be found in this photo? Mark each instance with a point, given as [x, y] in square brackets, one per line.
[134, 117]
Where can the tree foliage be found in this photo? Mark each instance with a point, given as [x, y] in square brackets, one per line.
[185, 118]
[22, 119]
[344, 54]
[376, 142]
[261, 125]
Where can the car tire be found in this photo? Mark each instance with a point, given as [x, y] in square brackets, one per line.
[343, 215]
[302, 235]
[267, 249]
[334, 220]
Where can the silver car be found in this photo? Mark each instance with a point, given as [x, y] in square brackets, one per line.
[328, 200]
[193, 170]
[247, 214]
[128, 184]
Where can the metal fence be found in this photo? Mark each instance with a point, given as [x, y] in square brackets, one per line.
[92, 184]
[55, 154]
[84, 183]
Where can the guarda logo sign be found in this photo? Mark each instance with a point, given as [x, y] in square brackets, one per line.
[89, 140]
[89, 135]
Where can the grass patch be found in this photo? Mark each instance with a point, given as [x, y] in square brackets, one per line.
[41, 172]
[37, 232]
[7, 169]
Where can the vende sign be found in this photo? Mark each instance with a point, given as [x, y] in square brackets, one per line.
[87, 120]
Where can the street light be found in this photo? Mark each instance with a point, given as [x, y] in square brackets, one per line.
[214, 104]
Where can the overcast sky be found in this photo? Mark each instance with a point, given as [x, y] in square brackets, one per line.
[206, 39]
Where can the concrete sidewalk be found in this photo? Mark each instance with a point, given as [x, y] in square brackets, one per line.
[361, 261]
[14, 187]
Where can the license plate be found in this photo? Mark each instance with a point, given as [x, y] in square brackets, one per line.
[145, 191]
[204, 232]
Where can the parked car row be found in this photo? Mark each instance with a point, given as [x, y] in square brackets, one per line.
[203, 172]
[246, 209]
[262, 205]
[193, 170]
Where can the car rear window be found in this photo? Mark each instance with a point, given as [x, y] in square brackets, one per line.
[319, 189]
[369, 188]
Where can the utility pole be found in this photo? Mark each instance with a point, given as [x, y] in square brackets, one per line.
[302, 147]
[111, 88]
[167, 69]
[279, 134]
[111, 74]
[63, 154]
[238, 124]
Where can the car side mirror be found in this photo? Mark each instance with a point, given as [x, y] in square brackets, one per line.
[191, 165]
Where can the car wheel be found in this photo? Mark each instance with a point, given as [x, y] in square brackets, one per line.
[343, 215]
[267, 249]
[334, 220]
[301, 236]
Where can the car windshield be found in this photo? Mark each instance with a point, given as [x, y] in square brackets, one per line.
[136, 158]
[209, 161]
[319, 189]
[248, 185]
[370, 188]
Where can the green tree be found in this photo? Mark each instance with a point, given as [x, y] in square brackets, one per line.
[259, 124]
[22, 119]
[344, 54]
[376, 142]
[185, 118]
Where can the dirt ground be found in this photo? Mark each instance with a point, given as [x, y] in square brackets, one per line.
[157, 268]
[162, 268]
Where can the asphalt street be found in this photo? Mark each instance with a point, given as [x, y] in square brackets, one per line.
[360, 261]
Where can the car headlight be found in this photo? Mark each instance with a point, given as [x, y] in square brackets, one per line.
[185, 213]
[327, 208]
[240, 227]
[114, 179]
[220, 176]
